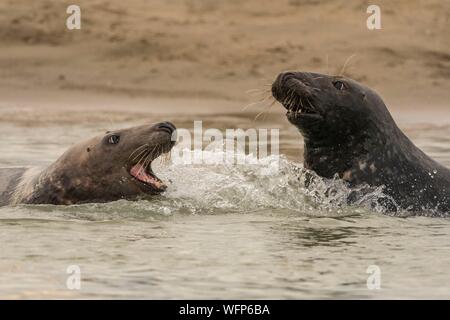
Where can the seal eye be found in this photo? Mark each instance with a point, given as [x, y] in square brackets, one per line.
[339, 85]
[114, 139]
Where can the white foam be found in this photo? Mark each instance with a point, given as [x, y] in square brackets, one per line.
[273, 182]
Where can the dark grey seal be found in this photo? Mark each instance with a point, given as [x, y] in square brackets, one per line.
[349, 131]
[105, 168]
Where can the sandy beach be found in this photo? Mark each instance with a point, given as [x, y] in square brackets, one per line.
[207, 55]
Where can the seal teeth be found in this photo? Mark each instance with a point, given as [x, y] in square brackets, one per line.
[293, 103]
[146, 176]
[290, 103]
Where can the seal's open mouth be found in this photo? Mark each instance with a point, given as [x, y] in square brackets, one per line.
[141, 168]
[146, 176]
[140, 160]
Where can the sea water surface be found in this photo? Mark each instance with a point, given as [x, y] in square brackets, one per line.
[220, 231]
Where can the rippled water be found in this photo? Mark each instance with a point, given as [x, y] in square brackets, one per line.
[219, 231]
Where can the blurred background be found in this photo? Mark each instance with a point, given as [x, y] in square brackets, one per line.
[208, 49]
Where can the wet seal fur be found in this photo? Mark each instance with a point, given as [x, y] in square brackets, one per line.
[349, 131]
[105, 168]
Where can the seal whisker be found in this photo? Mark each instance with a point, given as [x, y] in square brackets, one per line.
[301, 102]
[288, 102]
[141, 164]
[167, 157]
[293, 99]
[257, 91]
[265, 110]
[144, 163]
[164, 156]
[139, 154]
[147, 162]
[289, 99]
[137, 149]
[310, 104]
[143, 156]
[257, 102]
[345, 64]
[153, 153]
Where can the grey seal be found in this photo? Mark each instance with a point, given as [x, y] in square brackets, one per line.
[108, 167]
[349, 131]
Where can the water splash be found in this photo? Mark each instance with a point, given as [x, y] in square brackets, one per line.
[273, 183]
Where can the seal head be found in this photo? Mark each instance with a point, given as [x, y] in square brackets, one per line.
[349, 131]
[338, 118]
[113, 166]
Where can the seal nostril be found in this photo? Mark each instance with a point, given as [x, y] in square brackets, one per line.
[278, 84]
[167, 127]
[284, 77]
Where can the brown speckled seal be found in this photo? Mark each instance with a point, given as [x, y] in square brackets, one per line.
[105, 168]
